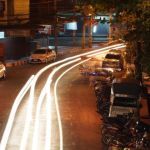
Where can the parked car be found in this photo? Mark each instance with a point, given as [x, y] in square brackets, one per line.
[116, 56]
[112, 64]
[146, 77]
[42, 55]
[125, 97]
[2, 70]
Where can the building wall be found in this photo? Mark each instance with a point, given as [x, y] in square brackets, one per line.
[44, 10]
[3, 13]
[15, 12]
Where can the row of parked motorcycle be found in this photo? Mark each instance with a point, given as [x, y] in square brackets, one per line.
[118, 104]
[122, 131]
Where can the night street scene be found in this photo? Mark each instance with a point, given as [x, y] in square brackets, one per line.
[74, 75]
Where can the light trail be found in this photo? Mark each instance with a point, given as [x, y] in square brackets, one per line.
[45, 90]
[29, 110]
[40, 101]
[118, 47]
[48, 122]
[35, 137]
[13, 113]
[56, 102]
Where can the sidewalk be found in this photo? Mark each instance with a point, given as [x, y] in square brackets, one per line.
[62, 50]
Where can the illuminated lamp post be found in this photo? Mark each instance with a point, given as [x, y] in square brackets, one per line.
[110, 28]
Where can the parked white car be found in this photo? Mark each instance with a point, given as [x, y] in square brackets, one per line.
[42, 55]
[2, 70]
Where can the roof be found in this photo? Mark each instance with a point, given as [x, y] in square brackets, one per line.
[126, 86]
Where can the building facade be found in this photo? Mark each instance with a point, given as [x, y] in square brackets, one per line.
[14, 12]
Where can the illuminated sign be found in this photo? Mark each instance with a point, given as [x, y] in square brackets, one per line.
[2, 35]
[71, 26]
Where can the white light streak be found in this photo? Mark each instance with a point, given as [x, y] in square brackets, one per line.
[46, 90]
[31, 100]
[37, 122]
[102, 52]
[56, 102]
[13, 112]
[48, 122]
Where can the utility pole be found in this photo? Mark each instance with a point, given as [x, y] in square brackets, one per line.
[138, 66]
[83, 33]
[88, 12]
[55, 27]
[74, 31]
[110, 28]
[90, 32]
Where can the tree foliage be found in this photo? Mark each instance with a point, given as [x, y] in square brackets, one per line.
[134, 21]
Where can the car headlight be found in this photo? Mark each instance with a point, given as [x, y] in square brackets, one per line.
[2, 67]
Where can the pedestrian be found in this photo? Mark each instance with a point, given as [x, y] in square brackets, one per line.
[91, 80]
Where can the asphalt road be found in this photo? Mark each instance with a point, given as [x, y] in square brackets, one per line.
[16, 77]
[80, 122]
[10, 87]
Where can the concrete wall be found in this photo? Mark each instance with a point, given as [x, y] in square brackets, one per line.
[15, 48]
[21, 9]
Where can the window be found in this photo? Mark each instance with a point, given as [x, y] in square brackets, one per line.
[112, 56]
[2, 8]
[125, 101]
[41, 51]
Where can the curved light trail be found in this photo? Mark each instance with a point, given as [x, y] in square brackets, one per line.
[49, 82]
[40, 101]
[13, 112]
[56, 101]
[35, 137]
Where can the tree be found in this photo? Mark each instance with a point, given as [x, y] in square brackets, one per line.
[133, 17]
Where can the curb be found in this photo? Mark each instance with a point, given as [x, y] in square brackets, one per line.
[22, 61]
[13, 63]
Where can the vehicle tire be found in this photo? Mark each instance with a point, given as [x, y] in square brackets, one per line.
[103, 130]
[109, 130]
[4, 75]
[107, 138]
